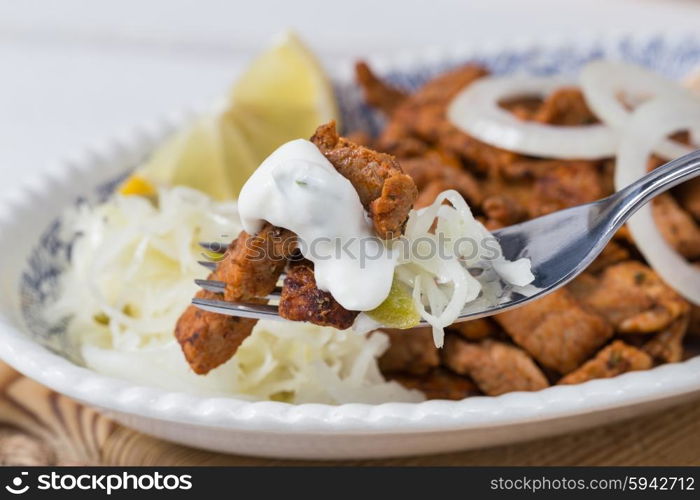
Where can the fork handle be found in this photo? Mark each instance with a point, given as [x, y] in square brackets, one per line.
[629, 199]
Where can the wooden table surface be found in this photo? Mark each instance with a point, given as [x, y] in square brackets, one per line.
[41, 427]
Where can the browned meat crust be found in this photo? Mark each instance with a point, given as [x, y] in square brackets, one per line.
[502, 210]
[437, 384]
[253, 264]
[565, 106]
[404, 147]
[667, 345]
[479, 156]
[423, 116]
[429, 193]
[385, 191]
[557, 330]
[694, 327]
[688, 195]
[613, 253]
[677, 226]
[495, 367]
[377, 93]
[633, 298]
[583, 285]
[209, 339]
[251, 267]
[301, 300]
[565, 184]
[613, 360]
[523, 107]
[431, 172]
[390, 211]
[559, 184]
[476, 329]
[361, 137]
[624, 236]
[410, 351]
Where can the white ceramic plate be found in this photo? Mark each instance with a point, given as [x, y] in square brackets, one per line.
[33, 252]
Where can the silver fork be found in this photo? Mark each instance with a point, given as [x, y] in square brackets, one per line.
[559, 245]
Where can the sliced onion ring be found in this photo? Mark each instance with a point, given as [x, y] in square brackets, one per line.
[476, 111]
[603, 82]
[648, 126]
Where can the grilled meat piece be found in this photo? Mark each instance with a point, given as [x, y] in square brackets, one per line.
[613, 253]
[422, 117]
[385, 191]
[438, 384]
[251, 267]
[377, 93]
[613, 360]
[410, 351]
[476, 329]
[688, 196]
[565, 106]
[301, 299]
[557, 330]
[565, 184]
[633, 298]
[253, 263]
[694, 326]
[432, 172]
[677, 226]
[667, 345]
[502, 210]
[208, 339]
[495, 367]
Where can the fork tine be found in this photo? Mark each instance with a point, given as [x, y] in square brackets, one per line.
[213, 246]
[220, 287]
[212, 267]
[212, 285]
[244, 310]
[208, 264]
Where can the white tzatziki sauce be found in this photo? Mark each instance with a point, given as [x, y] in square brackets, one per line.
[298, 189]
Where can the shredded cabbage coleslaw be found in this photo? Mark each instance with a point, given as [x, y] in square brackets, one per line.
[132, 273]
[458, 247]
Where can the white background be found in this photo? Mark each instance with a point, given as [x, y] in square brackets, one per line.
[75, 71]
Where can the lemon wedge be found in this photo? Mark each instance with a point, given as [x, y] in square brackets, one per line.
[194, 157]
[283, 95]
[398, 309]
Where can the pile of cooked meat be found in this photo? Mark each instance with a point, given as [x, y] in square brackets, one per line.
[616, 317]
